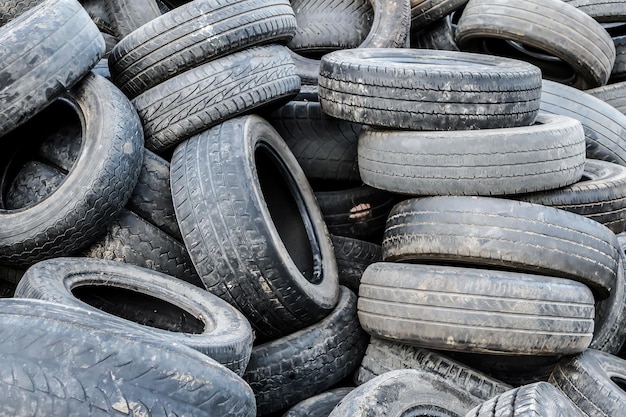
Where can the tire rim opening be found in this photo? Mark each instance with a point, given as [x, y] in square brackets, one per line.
[428, 411]
[620, 382]
[139, 308]
[288, 213]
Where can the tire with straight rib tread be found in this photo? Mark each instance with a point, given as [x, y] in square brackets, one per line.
[613, 94]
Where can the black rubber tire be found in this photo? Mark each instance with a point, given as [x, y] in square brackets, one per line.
[353, 256]
[74, 362]
[544, 156]
[126, 16]
[172, 310]
[427, 12]
[486, 311]
[383, 356]
[457, 91]
[600, 195]
[193, 34]
[405, 392]
[439, 36]
[619, 68]
[605, 126]
[538, 399]
[318, 405]
[10, 9]
[32, 184]
[96, 189]
[356, 212]
[215, 91]
[507, 234]
[612, 94]
[252, 226]
[604, 11]
[40, 64]
[594, 381]
[567, 44]
[325, 147]
[290, 369]
[390, 29]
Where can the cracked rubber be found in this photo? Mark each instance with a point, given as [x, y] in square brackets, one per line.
[252, 226]
[206, 95]
[193, 34]
[506, 234]
[428, 90]
[74, 362]
[308, 362]
[353, 256]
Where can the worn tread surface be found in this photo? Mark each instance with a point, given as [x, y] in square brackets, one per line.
[503, 233]
[427, 12]
[353, 256]
[613, 94]
[619, 68]
[215, 91]
[10, 9]
[601, 10]
[486, 311]
[193, 34]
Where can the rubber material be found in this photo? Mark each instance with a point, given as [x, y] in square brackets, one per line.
[318, 405]
[613, 94]
[126, 16]
[353, 256]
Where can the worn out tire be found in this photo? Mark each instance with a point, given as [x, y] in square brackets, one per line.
[126, 16]
[619, 68]
[427, 12]
[612, 94]
[10, 9]
[603, 11]
[457, 91]
[291, 369]
[353, 256]
[439, 35]
[193, 34]
[506, 234]
[215, 328]
[319, 405]
[544, 156]
[584, 47]
[487, 311]
[74, 362]
[252, 226]
[206, 95]
[39, 65]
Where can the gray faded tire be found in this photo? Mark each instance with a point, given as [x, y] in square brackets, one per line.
[604, 125]
[179, 40]
[252, 226]
[594, 381]
[567, 44]
[384, 356]
[353, 256]
[501, 233]
[126, 16]
[173, 311]
[405, 392]
[10, 9]
[538, 399]
[318, 405]
[547, 155]
[39, 65]
[98, 186]
[215, 91]
[390, 29]
[75, 362]
[603, 11]
[600, 195]
[619, 68]
[612, 94]
[308, 362]
[427, 12]
[457, 91]
[486, 311]
[325, 147]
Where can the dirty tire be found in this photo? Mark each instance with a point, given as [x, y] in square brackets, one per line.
[74, 362]
[32, 184]
[325, 147]
[378, 87]
[319, 405]
[506, 234]
[600, 195]
[619, 68]
[193, 34]
[213, 92]
[126, 16]
[10, 9]
[353, 256]
[547, 155]
[613, 94]
[308, 362]
[591, 381]
[486, 311]
[97, 188]
[383, 356]
[39, 65]
[172, 310]
[439, 36]
[538, 399]
[427, 12]
[405, 392]
[571, 48]
[603, 11]
[252, 226]
[604, 125]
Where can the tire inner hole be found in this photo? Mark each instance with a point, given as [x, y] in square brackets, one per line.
[621, 383]
[139, 307]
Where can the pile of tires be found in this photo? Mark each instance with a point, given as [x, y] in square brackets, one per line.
[312, 208]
